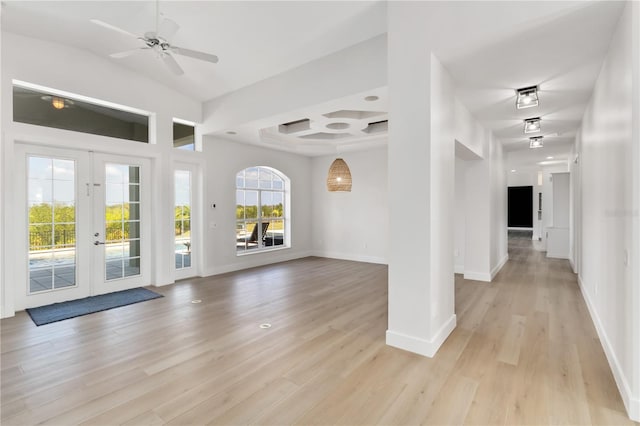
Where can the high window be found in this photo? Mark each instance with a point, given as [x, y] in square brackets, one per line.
[261, 209]
[184, 135]
[47, 107]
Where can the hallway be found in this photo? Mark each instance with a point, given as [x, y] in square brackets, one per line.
[524, 352]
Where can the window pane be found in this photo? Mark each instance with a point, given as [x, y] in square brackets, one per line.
[65, 235]
[40, 236]
[52, 233]
[251, 204]
[44, 109]
[260, 210]
[63, 190]
[184, 136]
[64, 213]
[114, 269]
[40, 190]
[131, 267]
[134, 174]
[134, 211]
[63, 170]
[251, 177]
[115, 251]
[40, 168]
[182, 224]
[122, 220]
[265, 179]
[132, 229]
[134, 193]
[115, 173]
[40, 213]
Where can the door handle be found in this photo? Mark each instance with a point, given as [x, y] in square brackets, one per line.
[97, 243]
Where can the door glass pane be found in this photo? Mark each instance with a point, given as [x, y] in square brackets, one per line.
[52, 223]
[182, 214]
[122, 222]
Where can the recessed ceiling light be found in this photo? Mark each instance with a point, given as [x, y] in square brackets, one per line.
[532, 125]
[371, 98]
[527, 97]
[535, 142]
[513, 170]
[549, 158]
[231, 132]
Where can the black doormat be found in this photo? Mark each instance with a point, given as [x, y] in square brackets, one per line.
[76, 308]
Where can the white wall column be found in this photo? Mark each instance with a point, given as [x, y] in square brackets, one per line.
[162, 191]
[421, 185]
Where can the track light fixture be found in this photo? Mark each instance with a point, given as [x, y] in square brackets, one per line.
[527, 97]
[532, 125]
[535, 142]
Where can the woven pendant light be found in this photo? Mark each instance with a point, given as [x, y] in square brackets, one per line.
[339, 178]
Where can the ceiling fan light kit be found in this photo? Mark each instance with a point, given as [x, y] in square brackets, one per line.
[158, 41]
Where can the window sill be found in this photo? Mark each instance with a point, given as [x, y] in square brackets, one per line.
[265, 250]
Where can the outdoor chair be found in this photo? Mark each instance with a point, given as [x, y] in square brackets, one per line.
[252, 240]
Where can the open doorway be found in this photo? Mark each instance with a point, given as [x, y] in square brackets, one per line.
[520, 208]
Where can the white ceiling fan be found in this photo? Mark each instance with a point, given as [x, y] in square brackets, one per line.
[158, 41]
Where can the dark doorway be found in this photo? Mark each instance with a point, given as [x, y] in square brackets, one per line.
[520, 203]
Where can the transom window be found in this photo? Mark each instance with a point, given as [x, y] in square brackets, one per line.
[261, 209]
[37, 105]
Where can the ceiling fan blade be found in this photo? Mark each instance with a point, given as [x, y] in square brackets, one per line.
[113, 28]
[195, 54]
[167, 29]
[172, 64]
[126, 53]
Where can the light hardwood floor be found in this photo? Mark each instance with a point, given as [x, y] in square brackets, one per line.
[524, 352]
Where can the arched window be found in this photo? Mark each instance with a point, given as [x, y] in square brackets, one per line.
[261, 210]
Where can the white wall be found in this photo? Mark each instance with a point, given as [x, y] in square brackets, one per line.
[460, 219]
[224, 159]
[498, 205]
[353, 225]
[482, 182]
[478, 218]
[561, 198]
[421, 172]
[608, 155]
[469, 131]
[442, 179]
[361, 68]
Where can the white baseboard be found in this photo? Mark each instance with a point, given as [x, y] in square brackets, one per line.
[631, 404]
[477, 276]
[350, 256]
[573, 266]
[255, 260]
[499, 266]
[421, 346]
[458, 269]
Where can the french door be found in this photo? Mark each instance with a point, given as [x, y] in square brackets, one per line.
[86, 222]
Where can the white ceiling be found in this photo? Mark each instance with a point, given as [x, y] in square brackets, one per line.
[489, 48]
[254, 40]
[493, 48]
